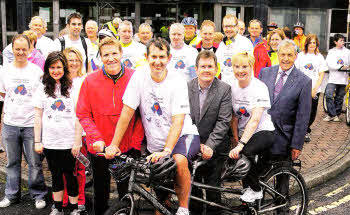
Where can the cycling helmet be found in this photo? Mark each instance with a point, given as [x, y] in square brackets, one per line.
[119, 169]
[272, 25]
[189, 21]
[163, 171]
[105, 33]
[235, 170]
[299, 25]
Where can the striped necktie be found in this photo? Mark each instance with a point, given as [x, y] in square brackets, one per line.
[279, 85]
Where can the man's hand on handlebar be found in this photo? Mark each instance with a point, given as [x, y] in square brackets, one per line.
[112, 151]
[98, 146]
[155, 156]
[206, 151]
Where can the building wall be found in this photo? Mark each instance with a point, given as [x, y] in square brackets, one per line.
[317, 15]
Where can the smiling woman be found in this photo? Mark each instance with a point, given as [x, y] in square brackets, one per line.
[251, 124]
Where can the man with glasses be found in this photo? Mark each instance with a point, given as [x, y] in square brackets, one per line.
[232, 43]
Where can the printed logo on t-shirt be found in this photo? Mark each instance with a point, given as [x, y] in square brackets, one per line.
[309, 66]
[156, 108]
[228, 62]
[340, 61]
[180, 65]
[242, 111]
[59, 105]
[21, 89]
[127, 63]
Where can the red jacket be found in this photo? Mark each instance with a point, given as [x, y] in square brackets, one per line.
[99, 108]
[262, 59]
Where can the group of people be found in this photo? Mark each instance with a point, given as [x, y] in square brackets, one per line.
[109, 93]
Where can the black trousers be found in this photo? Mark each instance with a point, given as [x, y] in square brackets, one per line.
[314, 106]
[259, 144]
[102, 182]
[62, 162]
[211, 174]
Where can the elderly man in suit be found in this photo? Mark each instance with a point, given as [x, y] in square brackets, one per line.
[290, 96]
[211, 111]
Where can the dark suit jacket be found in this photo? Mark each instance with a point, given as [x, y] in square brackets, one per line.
[213, 122]
[290, 112]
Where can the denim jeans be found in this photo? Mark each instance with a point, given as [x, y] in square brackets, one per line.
[334, 103]
[18, 139]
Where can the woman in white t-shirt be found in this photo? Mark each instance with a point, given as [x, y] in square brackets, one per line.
[77, 74]
[251, 124]
[312, 63]
[57, 132]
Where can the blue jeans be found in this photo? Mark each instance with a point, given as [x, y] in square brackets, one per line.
[18, 139]
[334, 103]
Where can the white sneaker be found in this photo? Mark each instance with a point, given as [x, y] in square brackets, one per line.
[328, 118]
[56, 212]
[5, 203]
[336, 119]
[250, 195]
[40, 203]
[182, 211]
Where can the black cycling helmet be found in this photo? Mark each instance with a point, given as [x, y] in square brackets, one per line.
[299, 25]
[235, 170]
[119, 169]
[163, 170]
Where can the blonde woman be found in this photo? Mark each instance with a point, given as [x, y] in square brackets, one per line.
[77, 75]
[251, 124]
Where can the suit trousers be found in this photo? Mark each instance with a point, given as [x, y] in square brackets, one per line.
[210, 173]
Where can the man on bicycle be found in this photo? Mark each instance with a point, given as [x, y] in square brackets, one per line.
[162, 97]
[211, 111]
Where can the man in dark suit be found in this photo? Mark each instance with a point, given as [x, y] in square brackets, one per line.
[211, 111]
[290, 96]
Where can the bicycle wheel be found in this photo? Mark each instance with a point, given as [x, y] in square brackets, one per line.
[119, 208]
[277, 199]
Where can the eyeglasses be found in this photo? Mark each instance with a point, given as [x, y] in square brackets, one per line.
[74, 61]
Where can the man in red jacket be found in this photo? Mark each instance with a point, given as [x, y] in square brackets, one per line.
[98, 110]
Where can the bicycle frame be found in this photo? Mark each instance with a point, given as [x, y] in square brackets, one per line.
[134, 187]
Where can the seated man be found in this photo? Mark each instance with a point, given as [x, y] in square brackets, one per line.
[211, 111]
[162, 98]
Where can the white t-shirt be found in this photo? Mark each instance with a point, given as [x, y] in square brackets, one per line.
[311, 65]
[7, 55]
[336, 58]
[244, 100]
[78, 45]
[45, 45]
[225, 52]
[76, 86]
[133, 54]
[158, 102]
[19, 85]
[183, 61]
[58, 120]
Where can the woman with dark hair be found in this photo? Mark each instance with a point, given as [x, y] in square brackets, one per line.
[312, 63]
[61, 132]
